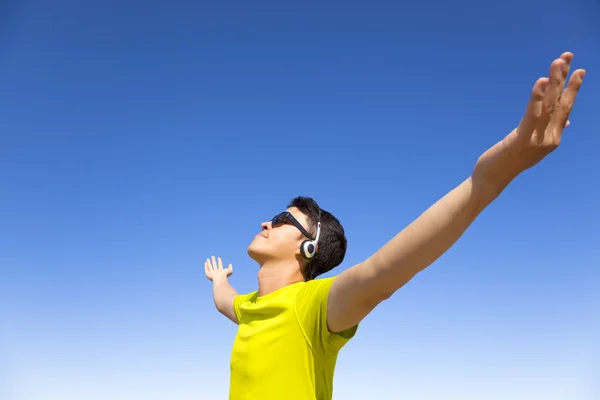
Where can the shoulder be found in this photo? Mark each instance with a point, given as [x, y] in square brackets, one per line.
[240, 299]
[312, 296]
[311, 311]
[318, 286]
[243, 298]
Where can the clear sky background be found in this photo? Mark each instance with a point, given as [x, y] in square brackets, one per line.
[139, 138]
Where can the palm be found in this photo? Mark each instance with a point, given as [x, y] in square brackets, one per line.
[214, 269]
[540, 130]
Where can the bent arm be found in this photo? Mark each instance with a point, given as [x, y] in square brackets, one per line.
[356, 291]
[224, 295]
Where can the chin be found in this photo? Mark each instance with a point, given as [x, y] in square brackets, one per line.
[255, 253]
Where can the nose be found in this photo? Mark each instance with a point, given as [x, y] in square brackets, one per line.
[266, 225]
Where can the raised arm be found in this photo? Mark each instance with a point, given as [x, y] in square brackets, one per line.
[361, 288]
[223, 293]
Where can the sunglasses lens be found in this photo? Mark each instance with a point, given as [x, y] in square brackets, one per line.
[280, 219]
[276, 220]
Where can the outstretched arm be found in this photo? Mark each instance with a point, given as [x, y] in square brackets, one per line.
[361, 288]
[223, 293]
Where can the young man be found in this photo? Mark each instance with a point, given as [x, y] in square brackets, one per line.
[292, 328]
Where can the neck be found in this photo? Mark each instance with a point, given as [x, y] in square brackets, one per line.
[276, 275]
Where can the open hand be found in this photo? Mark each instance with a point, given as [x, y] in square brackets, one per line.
[540, 130]
[214, 269]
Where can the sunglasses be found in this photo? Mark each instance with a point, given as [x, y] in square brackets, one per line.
[287, 218]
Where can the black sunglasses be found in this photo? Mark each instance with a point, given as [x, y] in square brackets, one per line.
[287, 218]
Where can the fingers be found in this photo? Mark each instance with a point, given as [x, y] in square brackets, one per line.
[568, 100]
[214, 264]
[213, 268]
[534, 109]
[559, 69]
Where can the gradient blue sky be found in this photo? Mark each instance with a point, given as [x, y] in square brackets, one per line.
[138, 138]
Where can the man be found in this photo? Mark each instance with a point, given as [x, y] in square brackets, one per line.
[292, 328]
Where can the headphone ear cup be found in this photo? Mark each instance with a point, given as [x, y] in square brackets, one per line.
[307, 249]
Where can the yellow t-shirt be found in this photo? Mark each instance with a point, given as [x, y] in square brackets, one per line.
[283, 349]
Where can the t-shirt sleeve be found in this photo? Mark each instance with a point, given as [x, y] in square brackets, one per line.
[311, 311]
[237, 303]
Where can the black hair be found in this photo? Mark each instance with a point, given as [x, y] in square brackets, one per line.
[332, 245]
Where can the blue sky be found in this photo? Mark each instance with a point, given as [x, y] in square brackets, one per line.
[138, 139]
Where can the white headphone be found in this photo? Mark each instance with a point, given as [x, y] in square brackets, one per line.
[308, 248]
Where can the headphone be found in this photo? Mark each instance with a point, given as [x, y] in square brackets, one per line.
[308, 248]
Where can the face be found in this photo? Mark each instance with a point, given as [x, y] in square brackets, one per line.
[281, 242]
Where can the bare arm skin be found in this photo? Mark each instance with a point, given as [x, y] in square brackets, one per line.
[358, 290]
[223, 293]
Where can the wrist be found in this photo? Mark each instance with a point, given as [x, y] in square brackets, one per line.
[219, 280]
[494, 171]
[486, 191]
